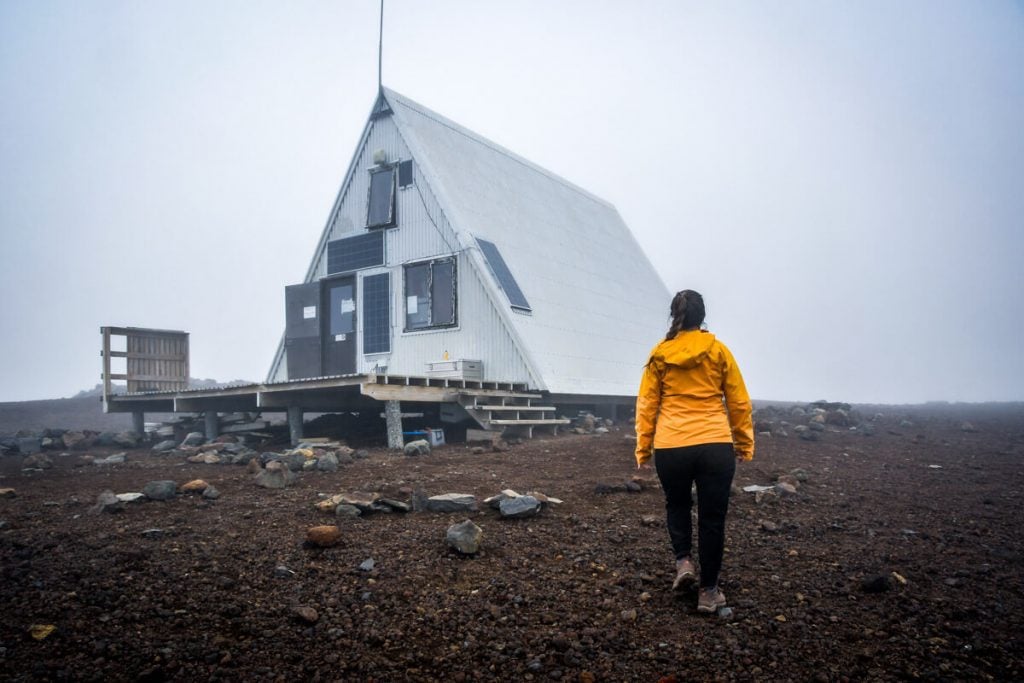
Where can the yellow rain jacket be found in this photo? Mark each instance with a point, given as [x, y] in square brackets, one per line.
[680, 402]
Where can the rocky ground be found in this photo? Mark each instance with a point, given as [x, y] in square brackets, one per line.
[898, 556]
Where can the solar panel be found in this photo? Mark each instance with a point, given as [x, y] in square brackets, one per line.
[353, 253]
[504, 275]
[381, 203]
[377, 313]
[405, 173]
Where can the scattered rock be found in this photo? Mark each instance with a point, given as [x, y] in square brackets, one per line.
[127, 439]
[521, 506]
[477, 450]
[345, 510]
[194, 486]
[968, 427]
[115, 459]
[328, 462]
[452, 502]
[37, 461]
[495, 501]
[160, 490]
[253, 466]
[165, 446]
[108, 502]
[361, 454]
[785, 490]
[770, 527]
[193, 439]
[396, 505]
[131, 497]
[367, 565]
[418, 447]
[275, 476]
[211, 493]
[153, 533]
[465, 537]
[324, 536]
[283, 572]
[800, 475]
[75, 441]
[7, 493]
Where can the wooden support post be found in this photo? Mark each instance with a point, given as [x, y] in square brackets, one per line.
[212, 425]
[393, 418]
[139, 423]
[295, 424]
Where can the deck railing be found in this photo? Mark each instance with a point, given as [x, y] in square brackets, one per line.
[155, 360]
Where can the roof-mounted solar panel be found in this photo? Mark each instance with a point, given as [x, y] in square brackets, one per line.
[503, 275]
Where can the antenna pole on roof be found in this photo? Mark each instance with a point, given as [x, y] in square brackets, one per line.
[380, 49]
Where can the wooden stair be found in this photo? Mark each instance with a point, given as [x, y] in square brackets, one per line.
[513, 414]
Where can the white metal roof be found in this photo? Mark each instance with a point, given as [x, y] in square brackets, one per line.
[598, 306]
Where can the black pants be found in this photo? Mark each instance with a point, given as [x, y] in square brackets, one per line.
[711, 466]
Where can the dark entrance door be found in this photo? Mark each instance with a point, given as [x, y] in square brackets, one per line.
[302, 330]
[339, 326]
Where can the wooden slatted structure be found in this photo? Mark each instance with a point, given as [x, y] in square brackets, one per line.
[155, 360]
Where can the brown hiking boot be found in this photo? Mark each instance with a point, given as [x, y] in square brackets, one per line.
[710, 599]
[686, 574]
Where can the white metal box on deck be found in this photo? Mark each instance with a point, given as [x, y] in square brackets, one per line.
[456, 369]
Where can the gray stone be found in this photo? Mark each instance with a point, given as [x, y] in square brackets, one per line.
[810, 436]
[127, 439]
[523, 506]
[153, 533]
[37, 461]
[452, 502]
[784, 489]
[396, 505]
[283, 572]
[418, 447]
[275, 476]
[465, 537]
[211, 493]
[165, 446]
[194, 439]
[309, 465]
[725, 613]
[76, 440]
[163, 489]
[346, 510]
[799, 474]
[361, 454]
[131, 497]
[367, 565]
[968, 427]
[295, 461]
[27, 445]
[344, 459]
[115, 459]
[106, 439]
[108, 502]
[495, 501]
[327, 462]
[816, 426]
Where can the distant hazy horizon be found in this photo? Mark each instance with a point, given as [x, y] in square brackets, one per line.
[844, 182]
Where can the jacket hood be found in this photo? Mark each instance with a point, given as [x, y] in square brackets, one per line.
[687, 350]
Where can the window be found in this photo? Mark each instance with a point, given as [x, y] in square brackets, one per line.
[381, 205]
[430, 294]
[506, 280]
[376, 313]
[405, 173]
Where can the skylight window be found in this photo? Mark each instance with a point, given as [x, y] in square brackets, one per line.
[503, 275]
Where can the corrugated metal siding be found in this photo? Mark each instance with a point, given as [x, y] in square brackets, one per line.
[423, 232]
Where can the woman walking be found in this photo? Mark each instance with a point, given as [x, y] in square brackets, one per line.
[693, 411]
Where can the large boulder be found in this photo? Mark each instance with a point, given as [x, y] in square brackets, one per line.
[37, 461]
[127, 439]
[328, 462]
[165, 446]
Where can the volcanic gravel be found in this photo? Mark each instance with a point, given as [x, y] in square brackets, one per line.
[899, 557]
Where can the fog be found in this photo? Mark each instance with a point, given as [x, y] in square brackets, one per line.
[844, 182]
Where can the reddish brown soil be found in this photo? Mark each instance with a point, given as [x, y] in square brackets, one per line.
[556, 597]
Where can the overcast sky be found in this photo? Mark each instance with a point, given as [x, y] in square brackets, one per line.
[844, 182]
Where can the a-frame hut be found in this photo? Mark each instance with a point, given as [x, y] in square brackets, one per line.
[448, 255]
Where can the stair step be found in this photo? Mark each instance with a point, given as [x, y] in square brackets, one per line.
[552, 421]
[494, 393]
[545, 409]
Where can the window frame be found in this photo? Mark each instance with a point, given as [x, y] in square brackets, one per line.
[430, 324]
[392, 220]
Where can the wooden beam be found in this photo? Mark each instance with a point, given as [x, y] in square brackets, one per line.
[390, 392]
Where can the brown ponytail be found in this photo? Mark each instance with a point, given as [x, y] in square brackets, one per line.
[687, 311]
